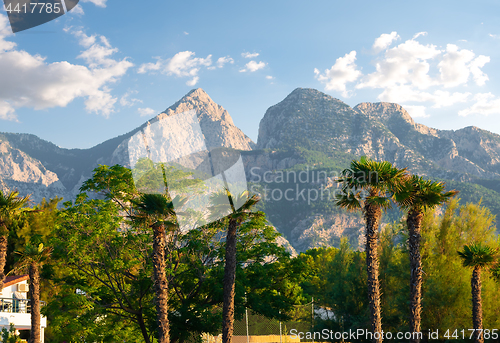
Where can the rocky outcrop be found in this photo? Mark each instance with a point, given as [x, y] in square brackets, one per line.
[29, 176]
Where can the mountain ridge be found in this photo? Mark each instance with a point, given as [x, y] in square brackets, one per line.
[309, 130]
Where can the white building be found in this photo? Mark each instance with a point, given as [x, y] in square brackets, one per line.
[14, 305]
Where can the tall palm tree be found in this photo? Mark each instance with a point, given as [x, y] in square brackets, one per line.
[11, 205]
[369, 186]
[157, 212]
[416, 197]
[237, 211]
[32, 259]
[479, 257]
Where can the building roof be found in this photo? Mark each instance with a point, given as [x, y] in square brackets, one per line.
[13, 279]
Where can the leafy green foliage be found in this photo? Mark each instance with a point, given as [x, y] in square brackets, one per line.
[9, 336]
[102, 274]
[446, 289]
[475, 193]
[101, 271]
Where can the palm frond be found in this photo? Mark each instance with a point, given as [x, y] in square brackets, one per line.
[381, 201]
[348, 201]
[477, 254]
[226, 204]
[423, 194]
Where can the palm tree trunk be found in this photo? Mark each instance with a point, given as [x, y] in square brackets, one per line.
[3, 255]
[34, 295]
[372, 216]
[477, 305]
[414, 222]
[229, 282]
[161, 283]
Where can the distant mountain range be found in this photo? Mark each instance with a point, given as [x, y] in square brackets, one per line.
[307, 132]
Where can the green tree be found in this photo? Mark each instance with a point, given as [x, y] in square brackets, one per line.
[264, 271]
[113, 183]
[101, 273]
[238, 209]
[108, 259]
[11, 205]
[446, 290]
[336, 278]
[416, 197]
[32, 257]
[479, 257]
[369, 186]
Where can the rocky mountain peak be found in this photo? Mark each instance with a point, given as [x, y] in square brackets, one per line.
[216, 123]
[310, 94]
[300, 117]
[197, 99]
[384, 111]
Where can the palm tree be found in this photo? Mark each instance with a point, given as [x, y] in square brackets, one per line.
[369, 186]
[11, 205]
[32, 259]
[477, 256]
[157, 212]
[238, 210]
[416, 197]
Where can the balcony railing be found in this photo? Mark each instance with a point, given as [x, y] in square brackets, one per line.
[11, 305]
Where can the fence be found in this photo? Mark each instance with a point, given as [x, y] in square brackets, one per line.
[256, 328]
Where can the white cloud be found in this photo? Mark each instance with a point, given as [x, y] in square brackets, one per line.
[407, 93]
[98, 3]
[384, 41]
[78, 10]
[29, 81]
[475, 68]
[416, 111]
[343, 71]
[494, 36]
[7, 112]
[409, 64]
[84, 40]
[146, 111]
[186, 33]
[453, 66]
[249, 55]
[193, 81]
[253, 66]
[5, 31]
[406, 63]
[421, 75]
[444, 98]
[182, 64]
[418, 34]
[223, 60]
[126, 102]
[485, 104]
[269, 77]
[150, 66]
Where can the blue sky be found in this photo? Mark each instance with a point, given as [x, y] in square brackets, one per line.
[108, 66]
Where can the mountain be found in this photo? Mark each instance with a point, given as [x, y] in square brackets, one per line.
[304, 142]
[40, 168]
[312, 132]
[312, 120]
